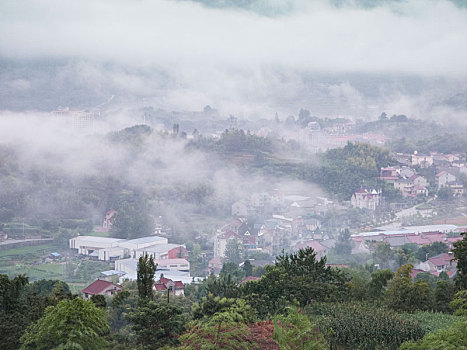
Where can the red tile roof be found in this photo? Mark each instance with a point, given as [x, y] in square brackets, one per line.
[179, 284]
[228, 234]
[415, 272]
[162, 284]
[441, 259]
[249, 278]
[164, 280]
[98, 286]
[418, 239]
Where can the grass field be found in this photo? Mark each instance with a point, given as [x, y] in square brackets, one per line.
[35, 250]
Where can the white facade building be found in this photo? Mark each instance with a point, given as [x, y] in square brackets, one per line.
[105, 248]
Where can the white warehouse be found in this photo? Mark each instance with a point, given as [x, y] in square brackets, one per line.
[106, 249]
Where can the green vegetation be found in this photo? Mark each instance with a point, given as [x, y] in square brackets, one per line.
[431, 321]
[455, 337]
[355, 326]
[71, 324]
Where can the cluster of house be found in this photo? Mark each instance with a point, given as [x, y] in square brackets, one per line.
[125, 253]
[406, 180]
[264, 205]
[270, 236]
[109, 288]
[449, 166]
[318, 139]
[366, 242]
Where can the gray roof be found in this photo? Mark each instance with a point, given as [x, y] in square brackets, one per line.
[113, 272]
[147, 239]
[397, 241]
[159, 248]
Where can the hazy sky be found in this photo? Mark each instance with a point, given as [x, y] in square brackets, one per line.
[234, 56]
[416, 36]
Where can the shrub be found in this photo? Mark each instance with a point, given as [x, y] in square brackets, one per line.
[453, 338]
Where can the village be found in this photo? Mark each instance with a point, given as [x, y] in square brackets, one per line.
[268, 224]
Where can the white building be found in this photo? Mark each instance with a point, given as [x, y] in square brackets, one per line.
[443, 178]
[175, 269]
[366, 199]
[86, 245]
[105, 248]
[221, 241]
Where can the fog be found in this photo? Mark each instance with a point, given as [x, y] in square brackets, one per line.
[333, 57]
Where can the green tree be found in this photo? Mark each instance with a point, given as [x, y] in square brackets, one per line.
[294, 330]
[443, 295]
[378, 284]
[405, 295]
[459, 303]
[445, 193]
[383, 254]
[297, 276]
[428, 251]
[145, 277]
[71, 324]
[99, 300]
[247, 268]
[233, 252]
[460, 253]
[132, 218]
[343, 245]
[157, 324]
[14, 313]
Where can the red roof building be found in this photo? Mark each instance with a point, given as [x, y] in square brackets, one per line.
[442, 262]
[418, 239]
[101, 287]
[176, 287]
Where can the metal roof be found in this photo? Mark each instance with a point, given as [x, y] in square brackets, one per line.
[147, 239]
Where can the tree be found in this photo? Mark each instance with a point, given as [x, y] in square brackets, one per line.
[299, 276]
[460, 253]
[383, 254]
[445, 193]
[379, 282]
[428, 251]
[459, 303]
[99, 300]
[233, 252]
[145, 277]
[132, 218]
[343, 245]
[294, 330]
[71, 324]
[157, 324]
[248, 268]
[14, 313]
[405, 295]
[443, 294]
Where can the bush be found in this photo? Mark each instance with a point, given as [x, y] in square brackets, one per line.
[453, 338]
[432, 321]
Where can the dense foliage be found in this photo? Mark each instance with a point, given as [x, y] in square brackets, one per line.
[346, 169]
[453, 338]
[71, 324]
[354, 326]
